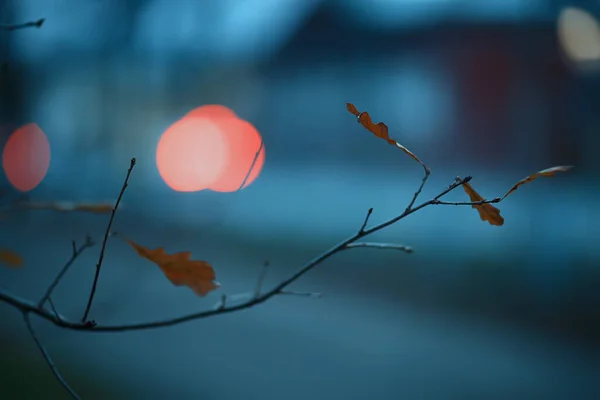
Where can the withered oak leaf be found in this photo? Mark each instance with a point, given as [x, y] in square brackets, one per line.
[198, 275]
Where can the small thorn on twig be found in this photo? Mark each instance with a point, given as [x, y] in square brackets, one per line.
[366, 221]
[90, 324]
[261, 278]
[74, 246]
[220, 305]
[40, 22]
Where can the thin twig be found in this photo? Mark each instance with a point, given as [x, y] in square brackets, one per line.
[31, 24]
[106, 236]
[262, 144]
[381, 246]
[418, 192]
[316, 295]
[76, 253]
[47, 357]
[364, 225]
[468, 203]
[458, 181]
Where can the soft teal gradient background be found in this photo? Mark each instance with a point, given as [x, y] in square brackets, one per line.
[473, 88]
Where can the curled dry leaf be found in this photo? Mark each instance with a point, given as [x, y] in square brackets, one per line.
[179, 269]
[549, 172]
[66, 206]
[10, 258]
[487, 212]
[380, 130]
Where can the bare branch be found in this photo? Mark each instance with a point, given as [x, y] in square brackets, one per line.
[246, 300]
[106, 236]
[31, 24]
[47, 357]
[76, 253]
[262, 144]
[381, 246]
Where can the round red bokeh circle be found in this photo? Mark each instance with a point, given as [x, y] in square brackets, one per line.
[26, 157]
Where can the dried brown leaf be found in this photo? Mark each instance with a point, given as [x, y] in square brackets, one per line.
[549, 172]
[67, 206]
[380, 130]
[99, 208]
[487, 212]
[10, 258]
[179, 269]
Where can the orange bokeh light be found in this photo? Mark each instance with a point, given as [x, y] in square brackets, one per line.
[243, 141]
[209, 148]
[191, 154]
[26, 157]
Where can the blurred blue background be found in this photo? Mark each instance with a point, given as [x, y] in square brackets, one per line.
[496, 89]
